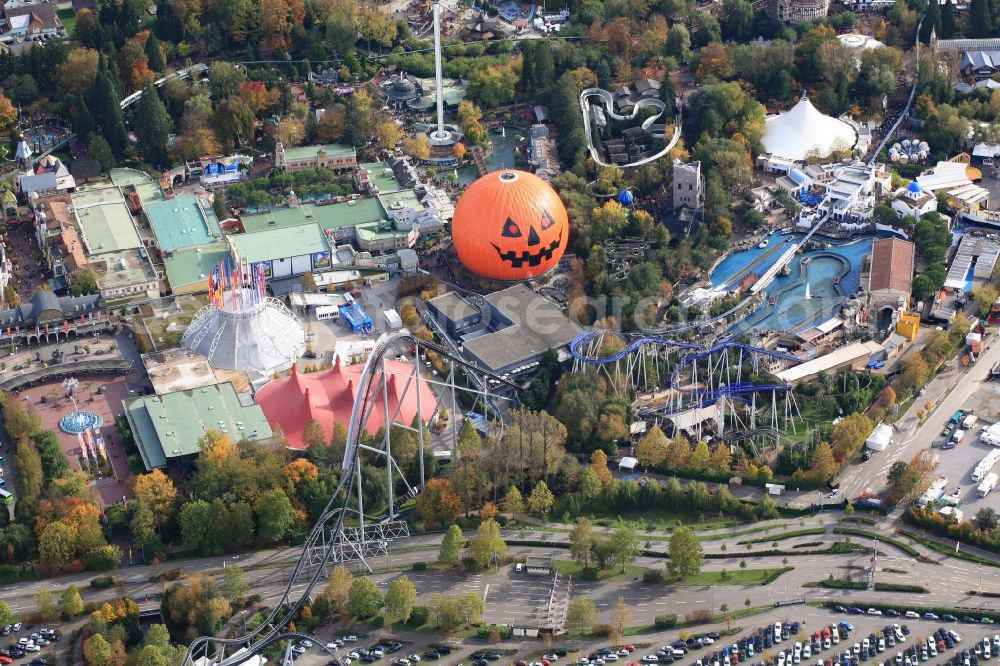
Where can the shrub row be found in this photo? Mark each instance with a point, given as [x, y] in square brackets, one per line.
[835, 584]
[665, 621]
[900, 587]
[102, 582]
[945, 550]
[786, 535]
[906, 548]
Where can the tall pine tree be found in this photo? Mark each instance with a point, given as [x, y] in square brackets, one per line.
[152, 125]
[110, 114]
[947, 21]
[932, 21]
[154, 54]
[980, 23]
[83, 122]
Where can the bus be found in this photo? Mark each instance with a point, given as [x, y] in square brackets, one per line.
[6, 498]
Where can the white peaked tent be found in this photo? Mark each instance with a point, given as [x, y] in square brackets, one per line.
[802, 130]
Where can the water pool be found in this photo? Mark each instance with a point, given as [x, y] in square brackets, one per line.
[501, 157]
[786, 307]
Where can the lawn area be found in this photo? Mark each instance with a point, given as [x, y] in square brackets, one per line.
[737, 577]
[573, 568]
[68, 18]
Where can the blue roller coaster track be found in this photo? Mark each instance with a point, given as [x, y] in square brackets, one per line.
[700, 398]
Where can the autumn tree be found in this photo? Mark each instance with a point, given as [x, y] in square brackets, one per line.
[97, 651]
[388, 134]
[418, 147]
[513, 502]
[848, 436]
[78, 72]
[364, 600]
[581, 614]
[652, 448]
[541, 501]
[823, 466]
[156, 491]
[400, 598]
[599, 466]
[438, 503]
[487, 543]
[451, 546]
[581, 541]
[620, 618]
[70, 602]
[338, 590]
[469, 119]
[193, 143]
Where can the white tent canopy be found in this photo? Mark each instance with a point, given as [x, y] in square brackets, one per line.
[628, 462]
[803, 130]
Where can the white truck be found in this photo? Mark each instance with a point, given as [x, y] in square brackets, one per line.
[988, 484]
[985, 465]
[957, 437]
[991, 435]
[969, 422]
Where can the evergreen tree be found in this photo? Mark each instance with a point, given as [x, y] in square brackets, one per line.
[83, 122]
[947, 21]
[932, 20]
[154, 54]
[980, 24]
[111, 69]
[545, 69]
[152, 125]
[110, 114]
[528, 65]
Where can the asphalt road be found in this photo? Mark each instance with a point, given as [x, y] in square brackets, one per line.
[914, 436]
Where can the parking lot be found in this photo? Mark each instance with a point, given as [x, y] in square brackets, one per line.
[957, 464]
[808, 620]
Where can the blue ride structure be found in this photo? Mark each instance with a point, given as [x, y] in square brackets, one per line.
[689, 384]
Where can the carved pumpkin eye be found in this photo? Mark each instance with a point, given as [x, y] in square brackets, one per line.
[510, 229]
[547, 220]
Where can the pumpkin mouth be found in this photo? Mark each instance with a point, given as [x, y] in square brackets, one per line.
[524, 258]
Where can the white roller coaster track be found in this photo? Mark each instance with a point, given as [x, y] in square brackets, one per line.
[648, 125]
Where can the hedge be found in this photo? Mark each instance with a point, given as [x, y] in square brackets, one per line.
[786, 535]
[665, 621]
[487, 631]
[945, 550]
[834, 584]
[102, 582]
[906, 548]
[900, 587]
[10, 573]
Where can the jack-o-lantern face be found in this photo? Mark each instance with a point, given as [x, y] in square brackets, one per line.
[533, 255]
[516, 214]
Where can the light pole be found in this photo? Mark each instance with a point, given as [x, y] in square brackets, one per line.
[712, 587]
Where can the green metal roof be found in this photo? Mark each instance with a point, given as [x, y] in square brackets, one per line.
[108, 228]
[193, 264]
[280, 242]
[380, 174]
[169, 426]
[181, 222]
[331, 149]
[377, 230]
[330, 216]
[399, 200]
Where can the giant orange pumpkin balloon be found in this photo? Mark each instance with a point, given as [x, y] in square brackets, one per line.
[510, 225]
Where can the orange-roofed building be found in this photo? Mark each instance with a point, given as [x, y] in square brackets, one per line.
[328, 396]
